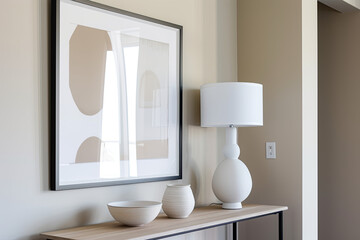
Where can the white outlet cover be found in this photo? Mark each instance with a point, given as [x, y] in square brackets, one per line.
[270, 150]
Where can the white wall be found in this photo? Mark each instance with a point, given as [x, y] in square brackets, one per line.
[27, 206]
[309, 120]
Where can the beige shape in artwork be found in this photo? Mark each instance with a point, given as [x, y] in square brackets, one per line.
[149, 83]
[89, 151]
[88, 49]
[152, 149]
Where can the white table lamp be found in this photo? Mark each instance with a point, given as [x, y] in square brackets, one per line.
[231, 105]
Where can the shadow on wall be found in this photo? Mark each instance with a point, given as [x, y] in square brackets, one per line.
[200, 152]
[83, 217]
[45, 89]
[194, 177]
[193, 114]
[191, 120]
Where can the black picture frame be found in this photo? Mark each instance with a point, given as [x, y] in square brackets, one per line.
[58, 124]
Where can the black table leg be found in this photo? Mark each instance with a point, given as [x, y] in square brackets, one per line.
[281, 230]
[235, 231]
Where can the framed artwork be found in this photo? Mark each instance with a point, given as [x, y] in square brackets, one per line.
[116, 97]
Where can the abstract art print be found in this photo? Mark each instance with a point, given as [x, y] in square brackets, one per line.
[116, 97]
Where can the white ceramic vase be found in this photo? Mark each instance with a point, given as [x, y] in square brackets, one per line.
[178, 201]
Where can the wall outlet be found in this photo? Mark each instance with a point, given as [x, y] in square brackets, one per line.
[270, 150]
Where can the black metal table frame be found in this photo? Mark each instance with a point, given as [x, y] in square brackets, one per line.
[235, 228]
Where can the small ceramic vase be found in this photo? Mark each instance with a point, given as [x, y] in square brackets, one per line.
[178, 201]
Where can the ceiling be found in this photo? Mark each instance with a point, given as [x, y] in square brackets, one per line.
[343, 5]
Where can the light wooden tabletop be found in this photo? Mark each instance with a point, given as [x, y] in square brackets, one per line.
[200, 218]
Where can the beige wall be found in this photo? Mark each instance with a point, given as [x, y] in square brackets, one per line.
[272, 51]
[339, 131]
[27, 206]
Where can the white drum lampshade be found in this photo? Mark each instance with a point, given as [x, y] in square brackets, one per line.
[231, 105]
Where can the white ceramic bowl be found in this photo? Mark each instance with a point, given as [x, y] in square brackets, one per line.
[134, 213]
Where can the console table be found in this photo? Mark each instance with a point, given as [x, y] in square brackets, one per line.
[200, 219]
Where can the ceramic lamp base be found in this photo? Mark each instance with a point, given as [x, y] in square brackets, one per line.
[236, 205]
[231, 182]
